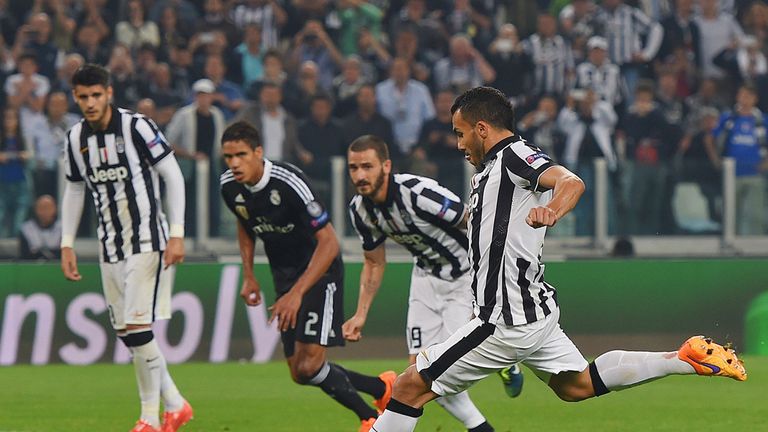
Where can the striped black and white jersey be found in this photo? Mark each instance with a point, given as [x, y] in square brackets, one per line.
[553, 60]
[628, 31]
[505, 252]
[604, 80]
[423, 217]
[117, 166]
[283, 211]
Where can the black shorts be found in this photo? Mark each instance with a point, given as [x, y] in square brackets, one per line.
[321, 314]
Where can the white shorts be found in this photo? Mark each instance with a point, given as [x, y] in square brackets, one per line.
[137, 289]
[478, 349]
[436, 308]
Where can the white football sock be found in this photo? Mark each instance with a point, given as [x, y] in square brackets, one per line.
[172, 400]
[624, 369]
[390, 421]
[148, 362]
[462, 407]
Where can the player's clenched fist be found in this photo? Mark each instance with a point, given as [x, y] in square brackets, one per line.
[353, 328]
[541, 216]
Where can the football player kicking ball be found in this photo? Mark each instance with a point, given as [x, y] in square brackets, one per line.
[430, 222]
[273, 200]
[516, 194]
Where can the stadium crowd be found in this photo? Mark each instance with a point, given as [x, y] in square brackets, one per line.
[661, 89]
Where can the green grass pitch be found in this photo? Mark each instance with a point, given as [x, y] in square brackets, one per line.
[260, 397]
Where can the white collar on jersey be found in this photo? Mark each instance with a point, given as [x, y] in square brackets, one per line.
[262, 183]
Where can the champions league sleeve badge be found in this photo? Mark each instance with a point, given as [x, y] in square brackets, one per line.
[314, 209]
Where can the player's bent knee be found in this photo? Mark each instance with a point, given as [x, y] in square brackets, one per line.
[303, 371]
[572, 393]
[137, 339]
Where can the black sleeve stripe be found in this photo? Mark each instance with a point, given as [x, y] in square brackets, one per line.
[369, 243]
[74, 171]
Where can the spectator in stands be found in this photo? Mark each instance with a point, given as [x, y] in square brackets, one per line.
[756, 23]
[228, 97]
[251, 53]
[308, 86]
[274, 74]
[406, 103]
[357, 16]
[14, 188]
[268, 14]
[95, 13]
[599, 74]
[346, 86]
[430, 33]
[63, 83]
[166, 94]
[649, 151]
[278, 127]
[173, 32]
[512, 64]
[463, 69]
[540, 127]
[124, 83]
[313, 44]
[722, 32]
[752, 63]
[588, 123]
[35, 37]
[366, 120]
[8, 23]
[741, 135]
[89, 45]
[473, 19]
[62, 25]
[681, 31]
[697, 161]
[183, 9]
[633, 39]
[40, 237]
[670, 103]
[406, 46]
[194, 133]
[374, 56]
[577, 25]
[323, 138]
[438, 141]
[551, 56]
[27, 89]
[136, 30]
[215, 18]
[46, 132]
[148, 108]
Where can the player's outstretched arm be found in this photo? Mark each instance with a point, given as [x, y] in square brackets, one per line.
[567, 189]
[251, 291]
[286, 307]
[71, 211]
[370, 281]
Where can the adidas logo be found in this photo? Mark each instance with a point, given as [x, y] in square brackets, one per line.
[239, 198]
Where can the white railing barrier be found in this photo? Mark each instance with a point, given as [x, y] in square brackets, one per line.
[202, 208]
[339, 195]
[601, 203]
[729, 202]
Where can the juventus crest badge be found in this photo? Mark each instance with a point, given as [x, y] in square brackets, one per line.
[120, 144]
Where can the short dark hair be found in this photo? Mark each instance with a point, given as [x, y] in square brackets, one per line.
[747, 86]
[371, 142]
[242, 131]
[27, 55]
[645, 86]
[90, 75]
[487, 104]
[321, 96]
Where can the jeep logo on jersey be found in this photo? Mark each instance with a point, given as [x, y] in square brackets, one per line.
[407, 239]
[111, 174]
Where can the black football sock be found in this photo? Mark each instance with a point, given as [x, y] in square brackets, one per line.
[334, 381]
[372, 385]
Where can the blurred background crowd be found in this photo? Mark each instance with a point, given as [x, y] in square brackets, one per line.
[661, 90]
